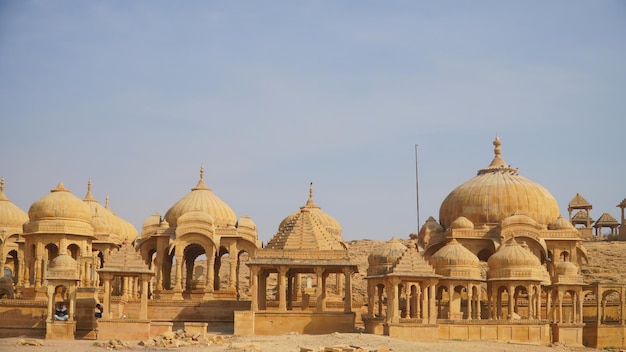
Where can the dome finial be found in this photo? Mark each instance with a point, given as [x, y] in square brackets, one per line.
[310, 202]
[497, 143]
[2, 184]
[201, 184]
[106, 202]
[89, 196]
[497, 164]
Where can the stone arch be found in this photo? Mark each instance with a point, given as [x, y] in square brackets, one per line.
[610, 307]
[194, 273]
[74, 251]
[588, 296]
[219, 260]
[201, 244]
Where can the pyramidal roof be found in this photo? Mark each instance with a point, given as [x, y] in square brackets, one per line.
[126, 260]
[412, 264]
[306, 230]
[606, 219]
[581, 215]
[578, 201]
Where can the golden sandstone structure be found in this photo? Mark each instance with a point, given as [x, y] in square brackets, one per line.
[500, 264]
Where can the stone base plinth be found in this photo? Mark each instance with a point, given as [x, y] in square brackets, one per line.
[60, 330]
[374, 325]
[412, 331]
[301, 322]
[123, 329]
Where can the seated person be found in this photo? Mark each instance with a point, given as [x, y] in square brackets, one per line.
[99, 310]
[60, 313]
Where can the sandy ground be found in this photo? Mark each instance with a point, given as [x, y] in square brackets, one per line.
[294, 342]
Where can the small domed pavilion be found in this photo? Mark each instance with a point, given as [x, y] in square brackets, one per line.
[308, 242]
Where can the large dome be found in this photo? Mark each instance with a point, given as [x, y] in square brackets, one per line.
[497, 192]
[11, 216]
[59, 212]
[201, 198]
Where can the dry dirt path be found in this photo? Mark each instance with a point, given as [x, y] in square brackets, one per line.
[294, 342]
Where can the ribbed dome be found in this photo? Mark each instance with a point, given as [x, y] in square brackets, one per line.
[566, 268]
[330, 223]
[453, 253]
[495, 193]
[382, 259]
[518, 218]
[11, 216]
[560, 223]
[63, 267]
[100, 225]
[59, 212]
[246, 223]
[129, 232]
[455, 261]
[152, 220]
[513, 261]
[462, 223]
[431, 225]
[203, 199]
[103, 220]
[60, 203]
[513, 254]
[387, 254]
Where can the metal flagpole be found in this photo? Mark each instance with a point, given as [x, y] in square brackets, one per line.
[417, 193]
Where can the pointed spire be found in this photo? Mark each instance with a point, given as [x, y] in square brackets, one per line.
[201, 184]
[310, 202]
[89, 196]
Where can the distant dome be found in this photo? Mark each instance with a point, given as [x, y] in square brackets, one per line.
[387, 254]
[513, 261]
[495, 193]
[453, 253]
[513, 255]
[11, 216]
[201, 198]
[462, 223]
[560, 223]
[59, 212]
[431, 225]
[328, 222]
[103, 220]
[454, 260]
[246, 222]
[129, 232]
[566, 268]
[152, 220]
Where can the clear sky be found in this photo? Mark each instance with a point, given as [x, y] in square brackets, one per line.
[272, 95]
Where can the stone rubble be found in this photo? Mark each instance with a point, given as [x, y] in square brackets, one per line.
[181, 338]
[29, 342]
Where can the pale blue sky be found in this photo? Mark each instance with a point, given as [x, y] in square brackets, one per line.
[272, 95]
